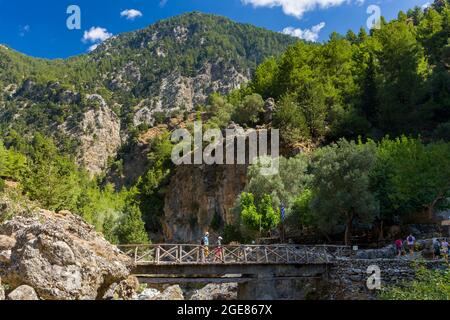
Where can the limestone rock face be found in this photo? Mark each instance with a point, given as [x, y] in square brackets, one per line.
[23, 293]
[98, 133]
[171, 293]
[201, 197]
[176, 91]
[61, 257]
[225, 291]
[126, 289]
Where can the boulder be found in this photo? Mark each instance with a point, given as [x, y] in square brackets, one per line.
[5, 257]
[149, 294]
[6, 243]
[171, 293]
[225, 291]
[61, 257]
[23, 293]
[127, 289]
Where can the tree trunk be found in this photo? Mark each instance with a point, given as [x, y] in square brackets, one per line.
[348, 231]
[381, 237]
[431, 206]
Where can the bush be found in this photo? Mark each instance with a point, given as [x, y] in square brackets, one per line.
[428, 285]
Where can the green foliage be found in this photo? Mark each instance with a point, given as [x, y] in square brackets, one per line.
[12, 164]
[263, 217]
[428, 285]
[291, 119]
[412, 176]
[151, 186]
[301, 213]
[341, 186]
[131, 228]
[248, 112]
[249, 215]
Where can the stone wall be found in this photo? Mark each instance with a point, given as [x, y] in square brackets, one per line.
[348, 277]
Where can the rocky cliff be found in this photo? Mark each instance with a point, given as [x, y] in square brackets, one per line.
[57, 256]
[200, 199]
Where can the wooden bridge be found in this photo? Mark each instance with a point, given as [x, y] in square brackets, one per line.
[257, 269]
[189, 254]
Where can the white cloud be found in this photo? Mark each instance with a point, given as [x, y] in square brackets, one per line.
[23, 30]
[296, 8]
[426, 5]
[96, 34]
[305, 34]
[131, 14]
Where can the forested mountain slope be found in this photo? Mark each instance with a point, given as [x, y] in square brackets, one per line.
[129, 82]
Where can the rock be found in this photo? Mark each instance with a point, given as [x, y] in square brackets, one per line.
[269, 109]
[171, 293]
[126, 289]
[198, 195]
[149, 294]
[6, 243]
[23, 292]
[2, 291]
[5, 257]
[61, 257]
[226, 291]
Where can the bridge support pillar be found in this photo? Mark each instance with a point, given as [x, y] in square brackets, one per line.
[282, 288]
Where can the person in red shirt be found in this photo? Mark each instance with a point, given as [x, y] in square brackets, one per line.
[399, 246]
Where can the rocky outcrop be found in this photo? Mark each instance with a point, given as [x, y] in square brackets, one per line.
[61, 257]
[225, 291]
[200, 199]
[178, 92]
[98, 134]
[2, 291]
[23, 293]
[173, 292]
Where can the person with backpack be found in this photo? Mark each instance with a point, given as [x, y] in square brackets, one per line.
[444, 249]
[218, 253]
[436, 249]
[399, 247]
[410, 241]
[205, 246]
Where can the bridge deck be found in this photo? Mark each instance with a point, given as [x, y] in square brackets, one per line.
[188, 254]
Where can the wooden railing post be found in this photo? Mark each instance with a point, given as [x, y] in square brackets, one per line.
[157, 255]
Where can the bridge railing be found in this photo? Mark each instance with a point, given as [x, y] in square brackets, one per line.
[232, 254]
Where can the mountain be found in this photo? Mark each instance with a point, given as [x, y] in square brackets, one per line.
[94, 102]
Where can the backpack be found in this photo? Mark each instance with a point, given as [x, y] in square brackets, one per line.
[410, 239]
[202, 242]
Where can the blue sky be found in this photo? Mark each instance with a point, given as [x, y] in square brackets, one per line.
[38, 28]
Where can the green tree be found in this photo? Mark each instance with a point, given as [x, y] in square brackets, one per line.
[131, 228]
[248, 112]
[290, 120]
[341, 186]
[412, 176]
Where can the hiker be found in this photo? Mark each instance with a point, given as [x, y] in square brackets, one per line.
[399, 247]
[436, 249]
[219, 250]
[410, 241]
[205, 244]
[444, 249]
